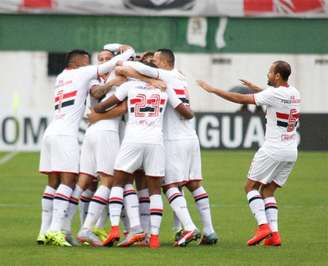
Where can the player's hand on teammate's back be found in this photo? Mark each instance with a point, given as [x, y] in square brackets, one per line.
[93, 117]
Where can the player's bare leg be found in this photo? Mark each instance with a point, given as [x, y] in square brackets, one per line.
[156, 209]
[256, 204]
[97, 205]
[209, 237]
[271, 211]
[47, 206]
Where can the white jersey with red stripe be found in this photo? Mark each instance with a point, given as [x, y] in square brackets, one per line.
[107, 124]
[282, 115]
[175, 126]
[146, 106]
[71, 90]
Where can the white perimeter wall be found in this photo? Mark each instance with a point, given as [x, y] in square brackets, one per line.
[25, 86]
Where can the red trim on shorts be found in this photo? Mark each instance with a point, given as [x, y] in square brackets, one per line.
[103, 173]
[57, 172]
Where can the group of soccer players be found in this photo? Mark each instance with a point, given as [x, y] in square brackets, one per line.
[156, 148]
[141, 142]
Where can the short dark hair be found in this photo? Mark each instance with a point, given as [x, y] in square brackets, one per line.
[283, 68]
[76, 52]
[168, 55]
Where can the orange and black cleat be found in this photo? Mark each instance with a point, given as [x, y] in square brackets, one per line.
[274, 240]
[154, 241]
[112, 237]
[262, 232]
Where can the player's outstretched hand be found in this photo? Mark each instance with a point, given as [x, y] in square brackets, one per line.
[250, 85]
[205, 86]
[157, 84]
[93, 117]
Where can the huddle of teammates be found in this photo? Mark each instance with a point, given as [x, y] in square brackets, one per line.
[155, 149]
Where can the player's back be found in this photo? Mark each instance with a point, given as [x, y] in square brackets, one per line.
[283, 112]
[146, 106]
[175, 126]
[71, 89]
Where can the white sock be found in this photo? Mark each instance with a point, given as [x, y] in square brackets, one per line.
[47, 204]
[60, 206]
[131, 205]
[203, 205]
[179, 206]
[144, 212]
[84, 204]
[176, 223]
[256, 204]
[97, 204]
[115, 205]
[72, 206]
[125, 220]
[101, 222]
[271, 211]
[156, 213]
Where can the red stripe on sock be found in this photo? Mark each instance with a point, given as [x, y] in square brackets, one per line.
[100, 199]
[62, 196]
[200, 196]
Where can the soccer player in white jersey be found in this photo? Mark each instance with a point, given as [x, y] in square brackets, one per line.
[59, 157]
[274, 161]
[183, 161]
[142, 146]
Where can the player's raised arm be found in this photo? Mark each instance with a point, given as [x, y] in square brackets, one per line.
[178, 105]
[109, 65]
[230, 96]
[98, 91]
[128, 71]
[250, 85]
[103, 106]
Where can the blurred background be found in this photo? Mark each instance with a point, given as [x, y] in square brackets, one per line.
[219, 41]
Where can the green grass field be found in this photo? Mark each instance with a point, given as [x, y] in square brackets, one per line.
[303, 213]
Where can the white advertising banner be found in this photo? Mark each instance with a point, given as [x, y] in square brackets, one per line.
[232, 8]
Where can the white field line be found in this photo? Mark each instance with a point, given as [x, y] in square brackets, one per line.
[7, 157]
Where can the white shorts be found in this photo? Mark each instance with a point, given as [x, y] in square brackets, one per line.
[133, 156]
[182, 161]
[59, 154]
[266, 170]
[98, 152]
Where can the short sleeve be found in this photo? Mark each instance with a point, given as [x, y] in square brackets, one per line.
[89, 72]
[93, 82]
[173, 99]
[265, 97]
[122, 91]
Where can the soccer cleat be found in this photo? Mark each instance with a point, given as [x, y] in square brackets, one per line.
[274, 240]
[72, 240]
[178, 235]
[154, 241]
[143, 243]
[41, 240]
[210, 239]
[57, 239]
[186, 237]
[100, 233]
[87, 236]
[261, 233]
[112, 237]
[135, 235]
